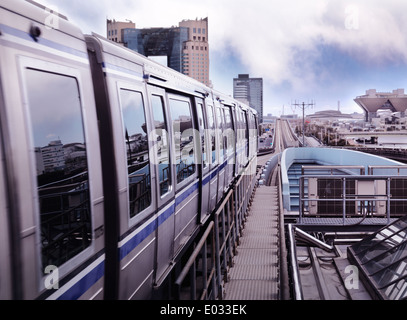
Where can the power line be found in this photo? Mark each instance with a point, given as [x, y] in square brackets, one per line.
[303, 106]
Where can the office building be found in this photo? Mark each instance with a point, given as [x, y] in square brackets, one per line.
[185, 47]
[250, 91]
[196, 50]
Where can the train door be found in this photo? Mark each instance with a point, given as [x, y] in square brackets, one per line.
[136, 282]
[63, 218]
[225, 149]
[235, 126]
[221, 151]
[230, 144]
[238, 141]
[164, 182]
[213, 158]
[203, 159]
[246, 137]
[184, 142]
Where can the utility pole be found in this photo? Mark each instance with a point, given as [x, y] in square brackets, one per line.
[303, 105]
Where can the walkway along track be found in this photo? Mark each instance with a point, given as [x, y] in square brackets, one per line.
[260, 266]
[255, 274]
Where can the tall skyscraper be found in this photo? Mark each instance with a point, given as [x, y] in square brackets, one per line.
[196, 50]
[250, 91]
[185, 47]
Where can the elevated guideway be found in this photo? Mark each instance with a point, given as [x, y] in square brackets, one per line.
[259, 270]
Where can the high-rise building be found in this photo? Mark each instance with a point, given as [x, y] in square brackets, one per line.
[250, 91]
[185, 47]
[196, 50]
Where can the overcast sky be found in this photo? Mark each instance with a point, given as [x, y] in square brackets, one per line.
[322, 50]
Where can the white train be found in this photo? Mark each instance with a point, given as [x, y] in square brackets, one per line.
[111, 164]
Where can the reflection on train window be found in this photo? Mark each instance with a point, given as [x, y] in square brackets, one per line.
[183, 132]
[138, 164]
[202, 129]
[161, 144]
[229, 133]
[211, 127]
[219, 119]
[61, 165]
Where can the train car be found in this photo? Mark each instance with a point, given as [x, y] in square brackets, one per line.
[111, 164]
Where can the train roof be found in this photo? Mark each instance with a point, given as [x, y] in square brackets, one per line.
[153, 71]
[41, 15]
[160, 75]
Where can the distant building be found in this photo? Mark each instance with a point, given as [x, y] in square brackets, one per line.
[289, 116]
[59, 157]
[250, 91]
[329, 114]
[372, 101]
[196, 50]
[186, 48]
[115, 29]
[269, 118]
[53, 158]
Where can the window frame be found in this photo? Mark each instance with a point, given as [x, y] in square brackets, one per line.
[187, 99]
[147, 211]
[212, 140]
[76, 73]
[203, 131]
[161, 200]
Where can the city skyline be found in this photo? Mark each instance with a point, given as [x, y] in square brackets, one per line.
[326, 51]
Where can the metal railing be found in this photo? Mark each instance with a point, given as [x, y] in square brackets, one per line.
[399, 169]
[208, 272]
[352, 197]
[284, 292]
[294, 271]
[212, 257]
[332, 168]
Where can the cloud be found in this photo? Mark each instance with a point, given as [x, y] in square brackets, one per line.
[282, 42]
[278, 40]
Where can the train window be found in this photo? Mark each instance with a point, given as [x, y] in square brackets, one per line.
[183, 132]
[211, 127]
[138, 164]
[161, 146]
[202, 129]
[246, 122]
[229, 132]
[219, 118]
[61, 165]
